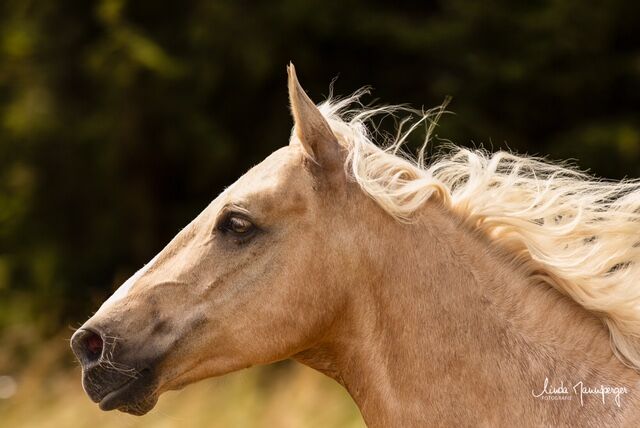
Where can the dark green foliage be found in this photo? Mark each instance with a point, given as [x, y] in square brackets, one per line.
[120, 121]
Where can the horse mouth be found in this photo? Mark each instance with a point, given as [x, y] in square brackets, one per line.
[134, 396]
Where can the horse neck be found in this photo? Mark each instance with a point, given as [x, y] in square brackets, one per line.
[437, 316]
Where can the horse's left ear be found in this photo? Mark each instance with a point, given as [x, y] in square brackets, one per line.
[311, 128]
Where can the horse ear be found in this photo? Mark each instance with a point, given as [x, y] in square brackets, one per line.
[310, 126]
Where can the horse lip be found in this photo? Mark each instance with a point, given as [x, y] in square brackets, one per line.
[109, 401]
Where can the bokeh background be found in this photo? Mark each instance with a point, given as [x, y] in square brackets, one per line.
[120, 121]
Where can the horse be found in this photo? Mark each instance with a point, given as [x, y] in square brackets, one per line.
[472, 288]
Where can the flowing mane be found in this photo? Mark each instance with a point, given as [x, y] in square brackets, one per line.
[248, 283]
[579, 234]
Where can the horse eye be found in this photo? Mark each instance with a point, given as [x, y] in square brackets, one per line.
[237, 225]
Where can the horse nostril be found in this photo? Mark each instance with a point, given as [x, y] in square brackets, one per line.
[93, 342]
[87, 345]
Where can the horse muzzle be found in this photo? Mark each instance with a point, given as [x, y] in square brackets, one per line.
[111, 375]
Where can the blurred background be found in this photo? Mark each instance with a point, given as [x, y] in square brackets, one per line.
[121, 120]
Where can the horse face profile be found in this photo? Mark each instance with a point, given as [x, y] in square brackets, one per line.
[257, 277]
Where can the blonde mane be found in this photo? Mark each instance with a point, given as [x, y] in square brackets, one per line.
[579, 234]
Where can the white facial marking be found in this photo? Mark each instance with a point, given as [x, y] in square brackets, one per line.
[124, 289]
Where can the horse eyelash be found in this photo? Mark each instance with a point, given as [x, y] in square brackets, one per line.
[239, 238]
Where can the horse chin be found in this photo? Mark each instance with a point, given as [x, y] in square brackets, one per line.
[136, 397]
[141, 407]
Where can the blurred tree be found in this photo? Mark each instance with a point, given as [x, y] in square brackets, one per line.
[121, 120]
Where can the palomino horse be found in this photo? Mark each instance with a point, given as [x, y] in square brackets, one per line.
[477, 289]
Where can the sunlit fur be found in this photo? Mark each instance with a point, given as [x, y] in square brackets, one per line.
[429, 311]
[577, 233]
